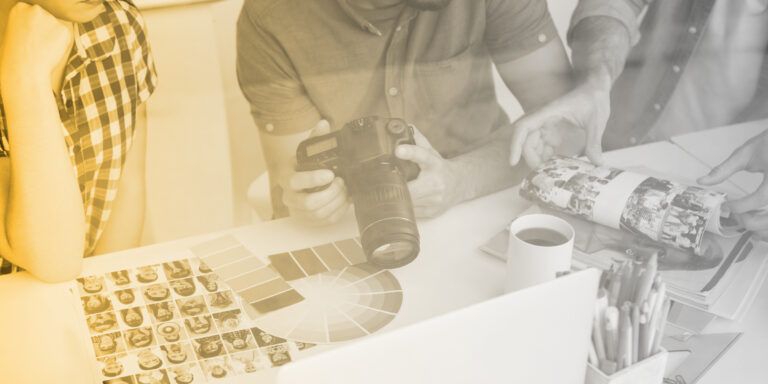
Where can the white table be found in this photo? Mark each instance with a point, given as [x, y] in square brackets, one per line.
[39, 326]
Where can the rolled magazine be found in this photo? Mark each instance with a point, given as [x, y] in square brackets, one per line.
[661, 210]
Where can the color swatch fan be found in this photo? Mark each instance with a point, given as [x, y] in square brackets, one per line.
[321, 294]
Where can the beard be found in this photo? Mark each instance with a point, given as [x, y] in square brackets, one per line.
[427, 5]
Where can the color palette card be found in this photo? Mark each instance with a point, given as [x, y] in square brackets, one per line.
[322, 294]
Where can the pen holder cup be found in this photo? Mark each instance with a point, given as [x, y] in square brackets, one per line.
[649, 371]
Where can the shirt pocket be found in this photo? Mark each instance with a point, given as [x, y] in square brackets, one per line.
[444, 84]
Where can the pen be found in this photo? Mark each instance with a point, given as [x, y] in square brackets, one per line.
[614, 288]
[597, 324]
[644, 336]
[657, 308]
[646, 279]
[611, 332]
[626, 283]
[624, 356]
[635, 332]
[661, 325]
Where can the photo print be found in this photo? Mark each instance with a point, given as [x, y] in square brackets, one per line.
[177, 269]
[108, 343]
[139, 338]
[102, 322]
[192, 306]
[147, 274]
[170, 332]
[90, 285]
[162, 312]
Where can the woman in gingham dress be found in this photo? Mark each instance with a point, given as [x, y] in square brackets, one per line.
[74, 76]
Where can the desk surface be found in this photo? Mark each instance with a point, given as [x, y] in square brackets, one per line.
[450, 264]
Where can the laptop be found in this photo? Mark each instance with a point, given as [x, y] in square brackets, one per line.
[537, 335]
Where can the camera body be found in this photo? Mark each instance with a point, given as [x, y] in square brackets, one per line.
[363, 154]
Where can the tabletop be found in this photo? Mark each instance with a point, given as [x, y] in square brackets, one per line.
[39, 325]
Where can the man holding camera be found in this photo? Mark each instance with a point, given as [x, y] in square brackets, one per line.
[690, 65]
[310, 67]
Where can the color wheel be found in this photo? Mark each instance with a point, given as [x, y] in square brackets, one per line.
[338, 306]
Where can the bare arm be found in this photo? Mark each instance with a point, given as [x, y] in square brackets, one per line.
[43, 224]
[600, 45]
[535, 79]
[125, 225]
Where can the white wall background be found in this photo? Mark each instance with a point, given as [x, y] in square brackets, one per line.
[203, 149]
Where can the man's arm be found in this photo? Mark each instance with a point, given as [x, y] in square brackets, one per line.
[535, 79]
[284, 116]
[600, 43]
[125, 225]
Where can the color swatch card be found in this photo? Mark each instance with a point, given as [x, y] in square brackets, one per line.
[323, 294]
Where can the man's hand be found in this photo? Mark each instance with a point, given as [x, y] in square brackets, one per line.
[751, 157]
[438, 186]
[326, 206]
[35, 42]
[560, 127]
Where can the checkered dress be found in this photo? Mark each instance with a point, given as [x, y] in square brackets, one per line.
[109, 74]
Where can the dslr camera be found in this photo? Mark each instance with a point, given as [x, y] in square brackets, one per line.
[363, 154]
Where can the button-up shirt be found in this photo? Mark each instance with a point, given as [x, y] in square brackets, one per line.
[301, 59]
[696, 65]
[109, 74]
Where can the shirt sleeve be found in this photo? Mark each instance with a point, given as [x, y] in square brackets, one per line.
[516, 28]
[627, 12]
[141, 54]
[268, 79]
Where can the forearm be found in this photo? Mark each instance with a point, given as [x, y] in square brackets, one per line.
[44, 218]
[486, 169]
[600, 46]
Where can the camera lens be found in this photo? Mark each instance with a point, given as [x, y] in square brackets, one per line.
[385, 216]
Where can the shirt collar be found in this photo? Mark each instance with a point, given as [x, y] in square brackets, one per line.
[96, 39]
[408, 14]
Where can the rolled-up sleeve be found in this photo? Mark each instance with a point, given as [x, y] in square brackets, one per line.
[267, 77]
[515, 28]
[627, 12]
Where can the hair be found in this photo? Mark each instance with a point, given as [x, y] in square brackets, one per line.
[103, 305]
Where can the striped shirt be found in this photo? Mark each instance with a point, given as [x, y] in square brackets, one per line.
[109, 74]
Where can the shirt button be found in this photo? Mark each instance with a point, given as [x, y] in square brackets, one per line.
[676, 68]
[657, 106]
[633, 140]
[399, 28]
[692, 30]
[269, 128]
[393, 91]
[542, 38]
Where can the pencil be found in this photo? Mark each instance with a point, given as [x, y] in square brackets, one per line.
[656, 347]
[635, 332]
[611, 332]
[624, 355]
[645, 281]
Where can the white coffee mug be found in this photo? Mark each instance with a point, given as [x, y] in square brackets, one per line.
[540, 247]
